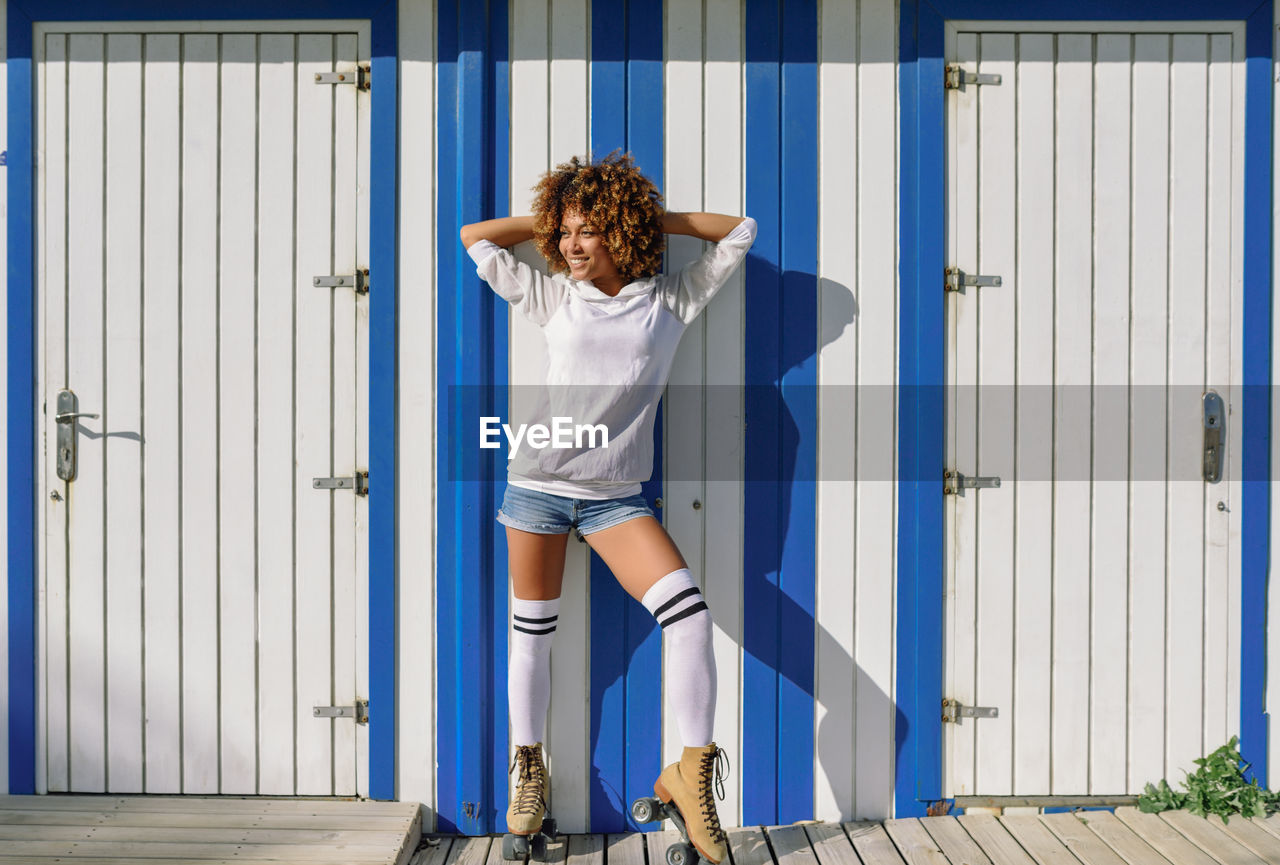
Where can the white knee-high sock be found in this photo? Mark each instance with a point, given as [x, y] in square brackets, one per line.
[690, 677]
[533, 624]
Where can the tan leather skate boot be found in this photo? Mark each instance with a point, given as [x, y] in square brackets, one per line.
[529, 804]
[692, 785]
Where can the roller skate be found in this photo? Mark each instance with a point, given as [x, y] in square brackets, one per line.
[529, 827]
[685, 796]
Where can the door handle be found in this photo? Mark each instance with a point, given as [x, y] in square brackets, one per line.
[1215, 421]
[66, 416]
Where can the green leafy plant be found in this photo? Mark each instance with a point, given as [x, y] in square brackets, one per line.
[1216, 787]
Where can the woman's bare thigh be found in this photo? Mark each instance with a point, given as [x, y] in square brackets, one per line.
[537, 564]
[639, 552]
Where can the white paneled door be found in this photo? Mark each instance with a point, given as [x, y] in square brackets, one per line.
[200, 596]
[1093, 596]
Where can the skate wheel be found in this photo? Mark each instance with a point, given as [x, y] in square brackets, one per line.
[682, 854]
[645, 810]
[549, 827]
[538, 847]
[509, 846]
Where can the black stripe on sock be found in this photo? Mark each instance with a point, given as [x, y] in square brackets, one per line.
[685, 613]
[677, 599]
[529, 621]
[550, 630]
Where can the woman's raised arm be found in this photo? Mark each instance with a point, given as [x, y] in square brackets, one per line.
[506, 231]
[704, 226]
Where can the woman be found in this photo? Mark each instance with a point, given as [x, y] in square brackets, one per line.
[612, 325]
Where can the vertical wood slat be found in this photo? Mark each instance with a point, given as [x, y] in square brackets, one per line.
[1033, 601]
[996, 362]
[1186, 368]
[415, 754]
[837, 680]
[874, 314]
[312, 418]
[55, 643]
[160, 427]
[565, 134]
[237, 415]
[123, 364]
[1109, 566]
[278, 78]
[1073, 213]
[345, 417]
[683, 405]
[962, 337]
[723, 193]
[198, 399]
[1146, 440]
[86, 376]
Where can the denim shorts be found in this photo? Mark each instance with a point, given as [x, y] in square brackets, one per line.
[547, 514]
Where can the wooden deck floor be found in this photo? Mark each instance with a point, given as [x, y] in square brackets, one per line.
[1126, 837]
[106, 830]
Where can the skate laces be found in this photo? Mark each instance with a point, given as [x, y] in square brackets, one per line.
[530, 781]
[713, 769]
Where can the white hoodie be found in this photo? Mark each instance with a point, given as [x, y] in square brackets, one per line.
[608, 359]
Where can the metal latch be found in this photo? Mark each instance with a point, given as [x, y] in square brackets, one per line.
[358, 280]
[957, 78]
[958, 280]
[1215, 421]
[953, 711]
[360, 711]
[954, 483]
[360, 77]
[359, 483]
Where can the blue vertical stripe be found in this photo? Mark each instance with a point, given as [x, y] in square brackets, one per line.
[21, 406]
[781, 412]
[1255, 518]
[626, 668]
[471, 739]
[921, 438]
[21, 410]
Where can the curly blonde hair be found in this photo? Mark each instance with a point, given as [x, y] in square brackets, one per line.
[613, 197]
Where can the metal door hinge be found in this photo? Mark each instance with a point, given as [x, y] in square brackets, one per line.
[953, 711]
[957, 78]
[360, 711]
[359, 483]
[956, 280]
[954, 483]
[358, 280]
[360, 77]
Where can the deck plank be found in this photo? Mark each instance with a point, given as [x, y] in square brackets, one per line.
[995, 840]
[200, 852]
[188, 835]
[221, 805]
[747, 847]
[1041, 844]
[625, 849]
[435, 852]
[790, 845]
[954, 841]
[1171, 843]
[872, 844]
[830, 844]
[206, 820]
[656, 844]
[1260, 842]
[1087, 846]
[1271, 823]
[586, 850]
[914, 843]
[469, 851]
[1210, 838]
[1124, 841]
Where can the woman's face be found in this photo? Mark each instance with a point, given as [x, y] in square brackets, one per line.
[583, 250]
